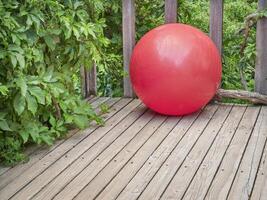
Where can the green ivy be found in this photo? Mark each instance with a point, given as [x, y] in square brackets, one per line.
[43, 44]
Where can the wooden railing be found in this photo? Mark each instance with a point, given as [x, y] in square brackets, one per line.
[216, 33]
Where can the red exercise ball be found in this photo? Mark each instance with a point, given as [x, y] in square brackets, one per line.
[175, 69]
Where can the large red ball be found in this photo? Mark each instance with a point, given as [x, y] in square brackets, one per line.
[175, 69]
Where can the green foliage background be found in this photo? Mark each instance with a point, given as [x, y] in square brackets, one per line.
[150, 14]
[44, 43]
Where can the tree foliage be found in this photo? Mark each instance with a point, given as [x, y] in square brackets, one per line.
[43, 44]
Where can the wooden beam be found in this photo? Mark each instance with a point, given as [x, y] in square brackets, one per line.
[216, 22]
[170, 11]
[91, 82]
[252, 97]
[261, 63]
[83, 82]
[128, 8]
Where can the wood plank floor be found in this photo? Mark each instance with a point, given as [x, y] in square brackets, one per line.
[217, 153]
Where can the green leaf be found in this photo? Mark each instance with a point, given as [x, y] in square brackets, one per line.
[21, 83]
[47, 139]
[34, 135]
[81, 121]
[21, 60]
[52, 121]
[49, 75]
[24, 135]
[16, 48]
[4, 125]
[38, 93]
[13, 60]
[3, 90]
[76, 33]
[2, 115]
[50, 42]
[32, 103]
[19, 103]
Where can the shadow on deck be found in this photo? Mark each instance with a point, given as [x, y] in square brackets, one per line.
[217, 153]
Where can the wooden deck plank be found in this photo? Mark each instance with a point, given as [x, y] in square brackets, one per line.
[244, 180]
[72, 190]
[50, 158]
[104, 177]
[99, 101]
[36, 152]
[73, 154]
[186, 169]
[202, 179]
[112, 190]
[154, 163]
[259, 191]
[225, 174]
[177, 186]
[32, 152]
[212, 154]
[131, 121]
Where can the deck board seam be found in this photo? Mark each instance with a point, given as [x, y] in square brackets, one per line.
[223, 124]
[125, 146]
[57, 144]
[225, 152]
[136, 153]
[166, 157]
[69, 149]
[184, 157]
[258, 168]
[75, 146]
[243, 153]
[95, 157]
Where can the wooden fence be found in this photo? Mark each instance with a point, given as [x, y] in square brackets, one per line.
[216, 33]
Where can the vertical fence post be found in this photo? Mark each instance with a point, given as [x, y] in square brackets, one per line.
[128, 8]
[261, 63]
[83, 82]
[88, 81]
[170, 11]
[91, 81]
[216, 22]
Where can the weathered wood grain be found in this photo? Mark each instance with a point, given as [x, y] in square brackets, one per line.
[170, 11]
[57, 184]
[204, 175]
[113, 189]
[91, 81]
[216, 22]
[252, 97]
[245, 177]
[123, 158]
[83, 82]
[154, 166]
[92, 170]
[260, 185]
[225, 174]
[70, 144]
[182, 178]
[36, 153]
[128, 29]
[261, 46]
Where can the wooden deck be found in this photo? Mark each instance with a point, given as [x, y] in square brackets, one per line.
[217, 153]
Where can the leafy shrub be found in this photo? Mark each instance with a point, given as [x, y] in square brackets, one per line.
[43, 44]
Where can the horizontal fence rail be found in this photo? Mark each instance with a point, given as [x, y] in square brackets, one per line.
[216, 34]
